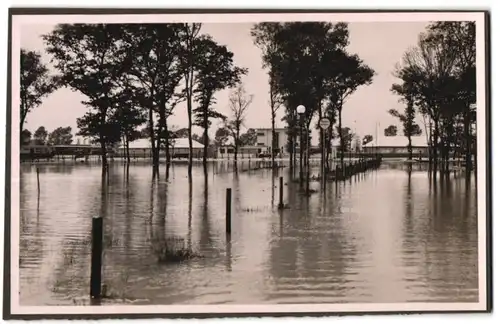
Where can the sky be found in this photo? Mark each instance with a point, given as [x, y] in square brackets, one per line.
[381, 45]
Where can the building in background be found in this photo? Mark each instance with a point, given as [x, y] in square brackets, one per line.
[265, 139]
[226, 152]
[179, 148]
[397, 146]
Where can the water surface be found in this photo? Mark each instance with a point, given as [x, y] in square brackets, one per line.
[387, 236]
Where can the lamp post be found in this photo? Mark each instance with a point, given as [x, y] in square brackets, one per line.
[301, 110]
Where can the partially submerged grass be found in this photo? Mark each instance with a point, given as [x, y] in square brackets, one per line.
[173, 250]
[256, 209]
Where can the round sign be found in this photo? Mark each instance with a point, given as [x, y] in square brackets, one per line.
[324, 123]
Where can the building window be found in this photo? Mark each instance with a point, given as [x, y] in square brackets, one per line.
[261, 134]
[222, 151]
[230, 150]
[260, 144]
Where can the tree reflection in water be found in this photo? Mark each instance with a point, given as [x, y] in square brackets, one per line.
[393, 229]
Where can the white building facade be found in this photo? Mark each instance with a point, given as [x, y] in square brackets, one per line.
[265, 139]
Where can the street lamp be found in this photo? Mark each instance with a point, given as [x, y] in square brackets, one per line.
[301, 110]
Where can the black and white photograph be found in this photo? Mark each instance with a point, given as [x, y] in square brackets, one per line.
[183, 163]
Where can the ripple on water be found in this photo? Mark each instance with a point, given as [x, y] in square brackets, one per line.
[385, 238]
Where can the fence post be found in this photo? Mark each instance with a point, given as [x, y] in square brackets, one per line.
[38, 179]
[228, 210]
[281, 205]
[96, 258]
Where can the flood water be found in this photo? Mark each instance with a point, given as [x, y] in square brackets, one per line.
[389, 236]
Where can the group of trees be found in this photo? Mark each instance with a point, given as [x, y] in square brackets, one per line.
[308, 64]
[59, 136]
[223, 135]
[136, 74]
[438, 77]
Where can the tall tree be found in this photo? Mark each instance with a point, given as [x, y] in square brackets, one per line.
[429, 68]
[239, 102]
[311, 65]
[129, 116]
[331, 114]
[40, 136]
[87, 57]
[263, 37]
[410, 128]
[352, 74]
[35, 84]
[215, 71]
[391, 130]
[153, 57]
[460, 38]
[61, 136]
[189, 36]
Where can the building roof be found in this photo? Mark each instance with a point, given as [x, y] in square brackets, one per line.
[176, 143]
[397, 141]
[184, 143]
[270, 129]
[139, 143]
[77, 146]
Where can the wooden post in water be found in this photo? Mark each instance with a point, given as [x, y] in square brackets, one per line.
[228, 210]
[280, 204]
[38, 179]
[96, 258]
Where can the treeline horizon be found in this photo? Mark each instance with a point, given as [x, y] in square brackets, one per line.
[135, 75]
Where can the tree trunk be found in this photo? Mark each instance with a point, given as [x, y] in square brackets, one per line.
[161, 127]
[307, 156]
[158, 145]
[329, 147]
[190, 139]
[127, 144]
[205, 143]
[301, 149]
[205, 138]
[291, 148]
[167, 152]
[468, 136]
[272, 136]
[236, 144]
[340, 136]
[152, 138]
[103, 143]
[430, 143]
[435, 136]
[103, 156]
[410, 149]
[322, 142]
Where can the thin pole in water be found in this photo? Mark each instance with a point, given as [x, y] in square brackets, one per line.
[96, 258]
[38, 179]
[228, 210]
[281, 205]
